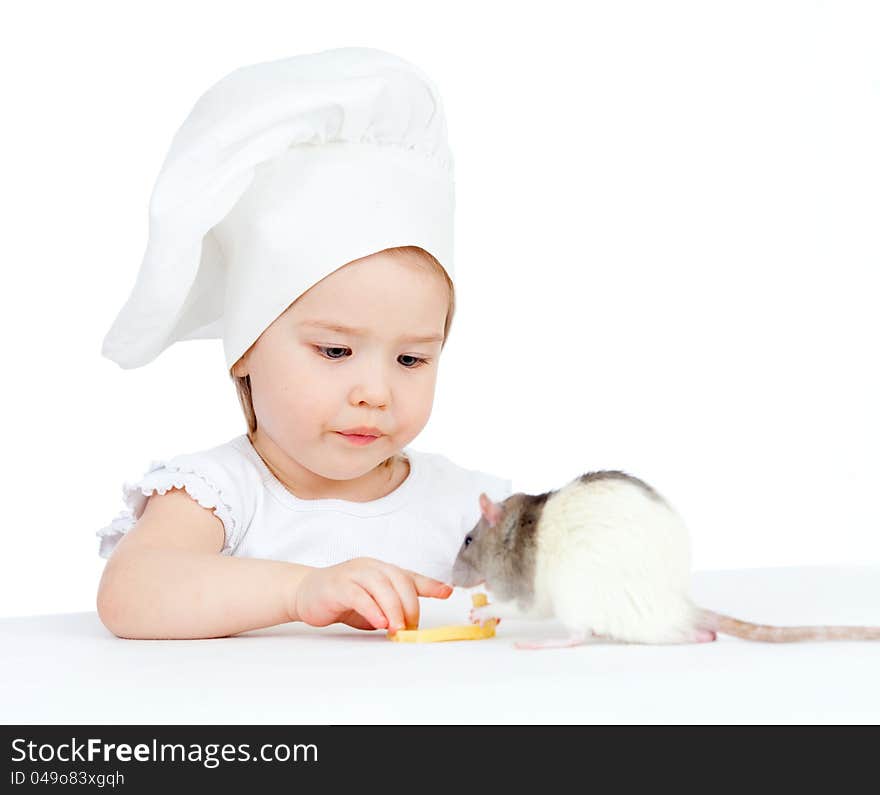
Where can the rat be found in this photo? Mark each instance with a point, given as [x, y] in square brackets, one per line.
[609, 557]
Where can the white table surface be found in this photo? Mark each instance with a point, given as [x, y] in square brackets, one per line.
[68, 668]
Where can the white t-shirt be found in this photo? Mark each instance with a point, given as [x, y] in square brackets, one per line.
[418, 526]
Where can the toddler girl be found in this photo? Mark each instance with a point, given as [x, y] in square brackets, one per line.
[303, 214]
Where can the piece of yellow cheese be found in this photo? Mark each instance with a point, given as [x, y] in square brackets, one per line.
[436, 634]
[453, 632]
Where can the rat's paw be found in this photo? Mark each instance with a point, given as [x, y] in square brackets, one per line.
[480, 615]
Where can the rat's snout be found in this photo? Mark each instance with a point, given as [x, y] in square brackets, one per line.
[464, 575]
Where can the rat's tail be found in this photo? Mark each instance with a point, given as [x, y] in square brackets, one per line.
[718, 622]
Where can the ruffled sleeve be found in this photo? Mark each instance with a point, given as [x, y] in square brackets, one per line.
[212, 483]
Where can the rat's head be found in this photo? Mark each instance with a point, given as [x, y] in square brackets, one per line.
[361, 347]
[500, 550]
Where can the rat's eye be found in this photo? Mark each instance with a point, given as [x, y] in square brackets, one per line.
[468, 540]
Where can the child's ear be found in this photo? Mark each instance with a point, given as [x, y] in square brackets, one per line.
[239, 369]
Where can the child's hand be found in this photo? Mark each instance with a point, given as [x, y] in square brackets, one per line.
[364, 593]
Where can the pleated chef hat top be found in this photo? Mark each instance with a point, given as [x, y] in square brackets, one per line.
[283, 172]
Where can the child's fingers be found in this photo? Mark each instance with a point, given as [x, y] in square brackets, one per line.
[428, 586]
[356, 620]
[361, 601]
[382, 590]
[409, 597]
[425, 586]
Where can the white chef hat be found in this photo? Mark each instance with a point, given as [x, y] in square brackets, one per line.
[283, 172]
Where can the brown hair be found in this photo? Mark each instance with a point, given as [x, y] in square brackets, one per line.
[415, 254]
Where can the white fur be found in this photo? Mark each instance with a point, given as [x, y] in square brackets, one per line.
[612, 559]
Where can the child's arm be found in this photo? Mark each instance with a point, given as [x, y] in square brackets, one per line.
[166, 578]
[153, 593]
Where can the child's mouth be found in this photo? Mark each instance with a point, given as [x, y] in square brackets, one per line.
[356, 438]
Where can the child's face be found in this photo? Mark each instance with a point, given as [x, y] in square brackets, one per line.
[309, 382]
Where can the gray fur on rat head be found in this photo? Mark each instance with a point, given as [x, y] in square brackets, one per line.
[500, 550]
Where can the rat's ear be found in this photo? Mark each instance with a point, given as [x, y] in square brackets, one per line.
[491, 511]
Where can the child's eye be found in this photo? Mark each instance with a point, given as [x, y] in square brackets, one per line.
[329, 348]
[416, 360]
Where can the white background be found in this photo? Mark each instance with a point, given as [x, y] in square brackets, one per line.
[667, 252]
